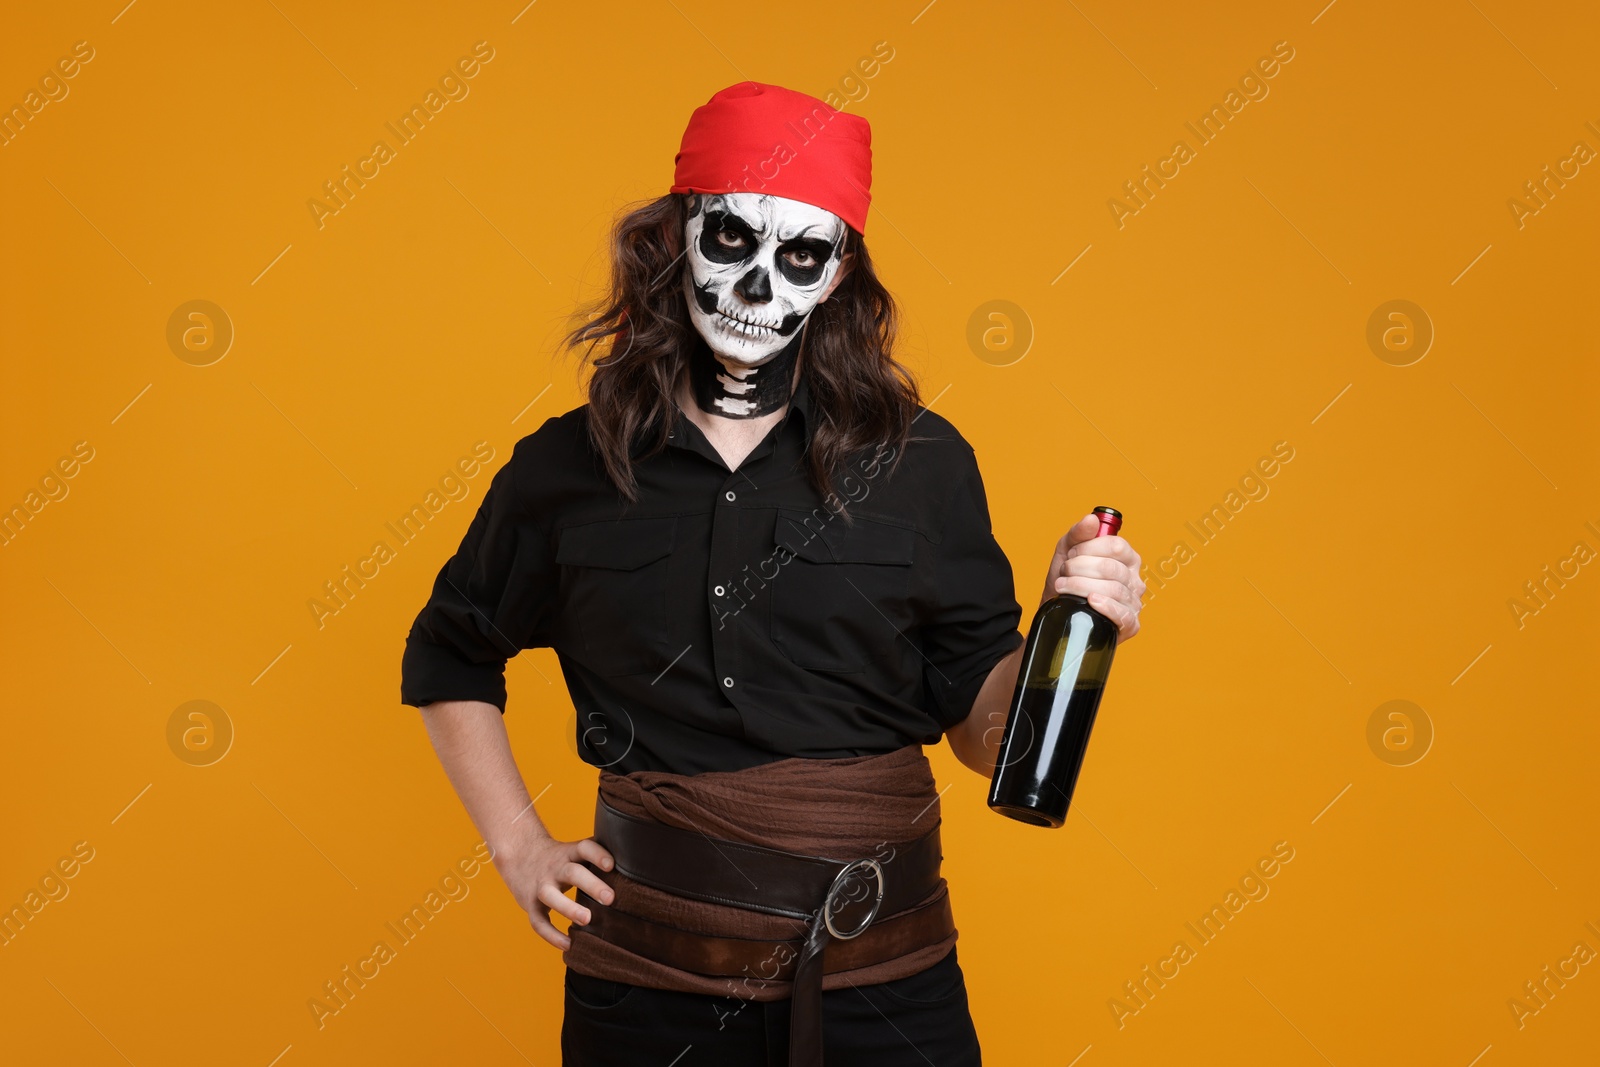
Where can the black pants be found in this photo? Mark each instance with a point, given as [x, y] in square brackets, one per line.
[914, 1021]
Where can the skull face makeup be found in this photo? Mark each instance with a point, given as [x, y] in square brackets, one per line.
[758, 266]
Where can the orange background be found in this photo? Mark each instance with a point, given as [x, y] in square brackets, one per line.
[1230, 313]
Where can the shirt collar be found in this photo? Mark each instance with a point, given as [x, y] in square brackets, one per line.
[801, 401]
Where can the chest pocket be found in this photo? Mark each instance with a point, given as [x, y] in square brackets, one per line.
[841, 602]
[614, 577]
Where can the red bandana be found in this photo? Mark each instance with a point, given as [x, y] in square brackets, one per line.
[755, 138]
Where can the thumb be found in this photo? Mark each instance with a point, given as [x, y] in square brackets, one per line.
[1083, 530]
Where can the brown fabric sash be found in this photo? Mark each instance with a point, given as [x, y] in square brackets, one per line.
[739, 958]
[839, 809]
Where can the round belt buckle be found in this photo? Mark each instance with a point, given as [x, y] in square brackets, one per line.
[831, 904]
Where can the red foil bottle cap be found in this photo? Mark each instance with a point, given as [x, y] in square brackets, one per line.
[1110, 521]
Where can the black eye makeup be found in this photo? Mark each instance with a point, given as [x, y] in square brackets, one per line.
[802, 260]
[726, 238]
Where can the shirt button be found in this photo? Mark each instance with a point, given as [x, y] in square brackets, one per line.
[717, 590]
[727, 682]
[728, 496]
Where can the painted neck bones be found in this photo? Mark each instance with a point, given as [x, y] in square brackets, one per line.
[758, 267]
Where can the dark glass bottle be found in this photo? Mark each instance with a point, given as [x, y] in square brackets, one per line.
[1064, 668]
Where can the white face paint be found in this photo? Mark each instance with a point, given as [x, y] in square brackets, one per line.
[758, 265]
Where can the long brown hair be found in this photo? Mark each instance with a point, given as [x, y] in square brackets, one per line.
[861, 396]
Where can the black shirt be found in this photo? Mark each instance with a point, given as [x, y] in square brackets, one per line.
[727, 618]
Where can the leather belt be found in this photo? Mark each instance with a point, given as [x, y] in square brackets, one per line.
[839, 900]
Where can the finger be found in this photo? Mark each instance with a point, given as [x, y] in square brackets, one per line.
[1105, 569]
[1111, 599]
[1118, 605]
[552, 897]
[540, 921]
[1084, 586]
[589, 882]
[1115, 547]
[1122, 613]
[1098, 567]
[1125, 619]
[593, 851]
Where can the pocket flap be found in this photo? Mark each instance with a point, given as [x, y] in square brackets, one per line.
[617, 544]
[822, 537]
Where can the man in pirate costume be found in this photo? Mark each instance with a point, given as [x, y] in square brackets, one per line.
[769, 577]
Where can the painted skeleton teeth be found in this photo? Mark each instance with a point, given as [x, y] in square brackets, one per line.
[749, 329]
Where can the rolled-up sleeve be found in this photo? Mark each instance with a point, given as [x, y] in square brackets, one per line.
[493, 598]
[972, 611]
